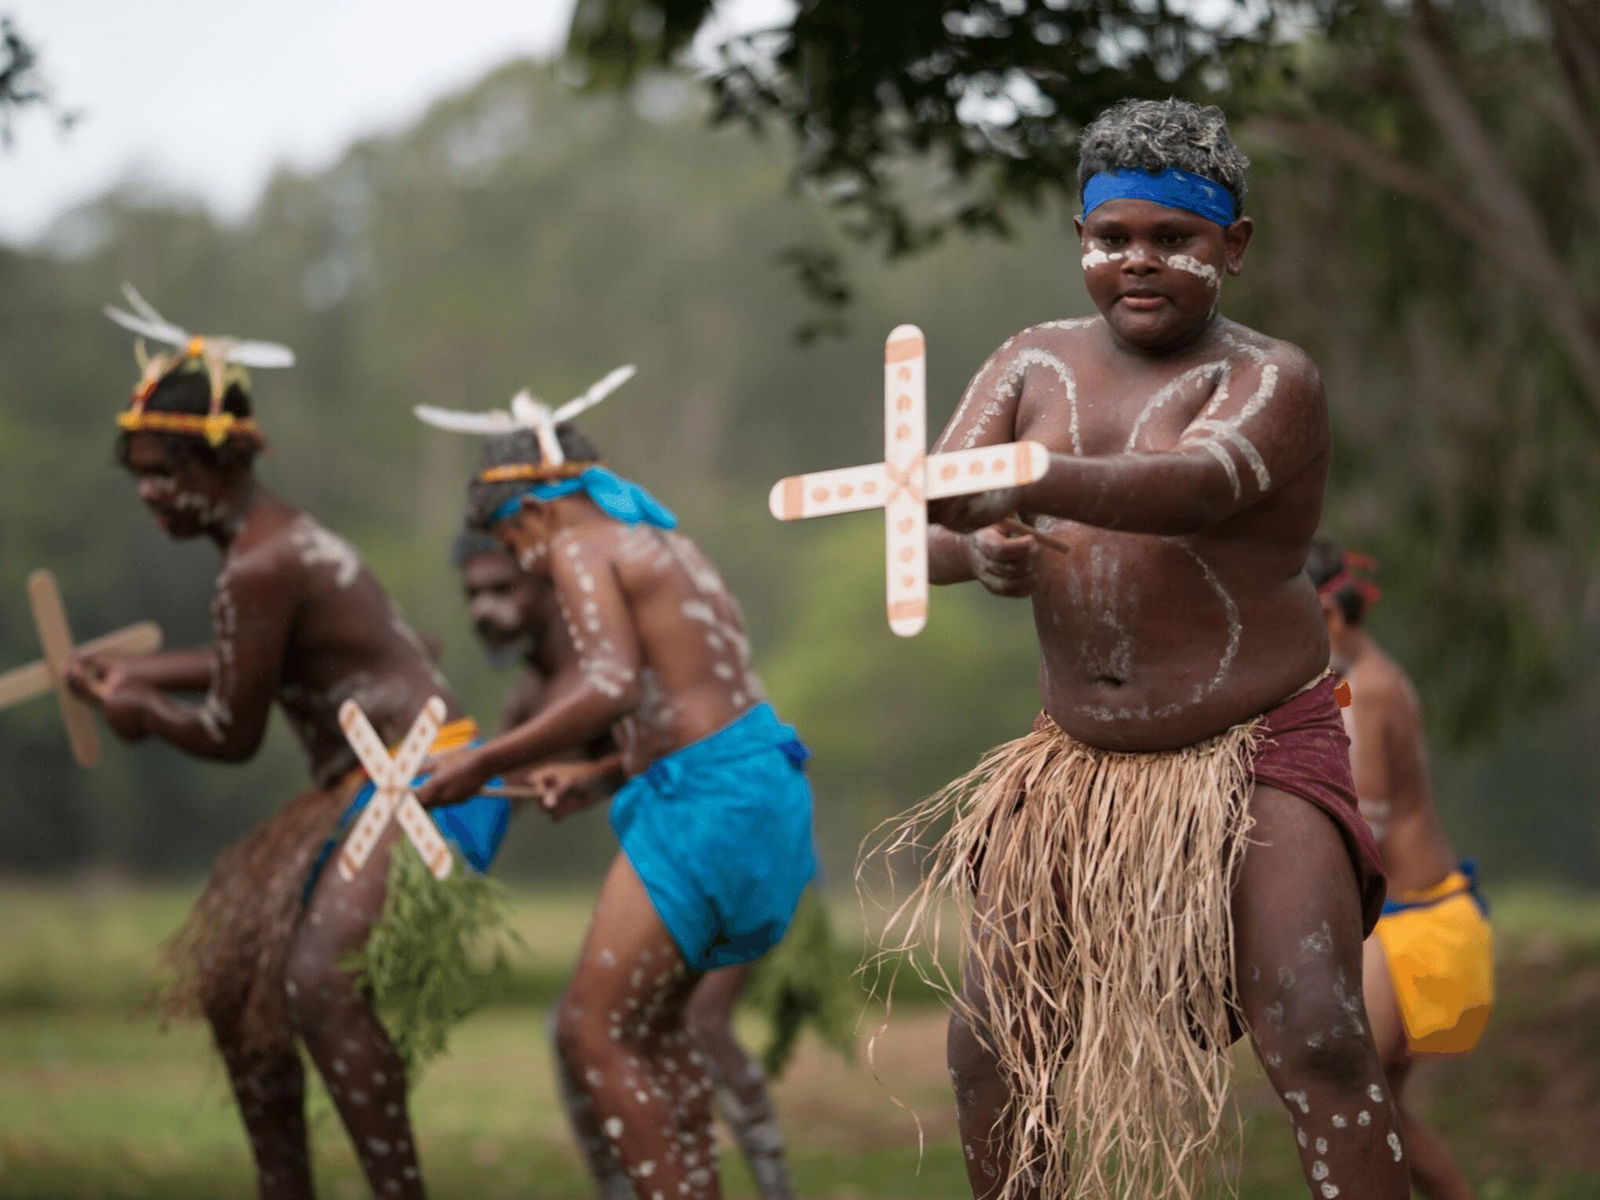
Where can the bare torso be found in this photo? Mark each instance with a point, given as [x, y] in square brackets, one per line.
[334, 631]
[1152, 641]
[694, 674]
[1390, 759]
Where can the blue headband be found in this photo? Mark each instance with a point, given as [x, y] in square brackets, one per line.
[1170, 187]
[620, 499]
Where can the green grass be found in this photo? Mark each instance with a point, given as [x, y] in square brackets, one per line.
[95, 1101]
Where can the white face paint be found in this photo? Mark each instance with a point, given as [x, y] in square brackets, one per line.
[1099, 258]
[1193, 266]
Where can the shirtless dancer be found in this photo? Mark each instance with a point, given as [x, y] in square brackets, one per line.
[1174, 853]
[714, 818]
[296, 618]
[515, 614]
[1429, 970]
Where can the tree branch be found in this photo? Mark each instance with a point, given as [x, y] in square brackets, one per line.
[1349, 147]
[1529, 253]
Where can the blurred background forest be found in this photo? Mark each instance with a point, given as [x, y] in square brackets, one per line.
[745, 217]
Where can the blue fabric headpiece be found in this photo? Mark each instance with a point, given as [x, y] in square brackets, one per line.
[620, 499]
[1170, 187]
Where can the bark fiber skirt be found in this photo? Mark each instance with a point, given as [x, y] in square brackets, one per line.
[1093, 893]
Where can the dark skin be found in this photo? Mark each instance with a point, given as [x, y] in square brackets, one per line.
[1188, 459]
[511, 608]
[298, 619]
[1388, 752]
[662, 663]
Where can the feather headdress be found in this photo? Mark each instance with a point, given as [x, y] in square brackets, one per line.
[223, 358]
[527, 413]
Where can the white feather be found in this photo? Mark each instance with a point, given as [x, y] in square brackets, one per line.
[486, 424]
[530, 413]
[171, 335]
[147, 322]
[595, 394]
[265, 355]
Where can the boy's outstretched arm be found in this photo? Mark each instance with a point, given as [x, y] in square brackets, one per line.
[579, 704]
[986, 416]
[1266, 423]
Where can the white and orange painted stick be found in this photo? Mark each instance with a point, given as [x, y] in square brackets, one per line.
[394, 796]
[906, 479]
[50, 673]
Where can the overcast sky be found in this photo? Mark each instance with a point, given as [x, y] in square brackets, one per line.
[206, 96]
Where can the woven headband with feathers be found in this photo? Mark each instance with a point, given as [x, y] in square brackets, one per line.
[224, 359]
[526, 413]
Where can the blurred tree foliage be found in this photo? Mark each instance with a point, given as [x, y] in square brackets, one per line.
[1435, 195]
[21, 83]
[521, 234]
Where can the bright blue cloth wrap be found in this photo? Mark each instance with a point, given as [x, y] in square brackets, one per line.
[720, 834]
[620, 499]
[475, 827]
[1170, 187]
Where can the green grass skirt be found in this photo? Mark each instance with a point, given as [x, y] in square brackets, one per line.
[436, 953]
[805, 980]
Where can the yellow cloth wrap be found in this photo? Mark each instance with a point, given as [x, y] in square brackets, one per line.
[453, 736]
[1441, 959]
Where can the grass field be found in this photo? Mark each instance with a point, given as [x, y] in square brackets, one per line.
[97, 1102]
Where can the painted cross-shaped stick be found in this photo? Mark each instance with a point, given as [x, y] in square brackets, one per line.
[50, 673]
[393, 796]
[906, 479]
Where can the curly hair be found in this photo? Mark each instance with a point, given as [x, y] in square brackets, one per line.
[186, 388]
[519, 447]
[1155, 134]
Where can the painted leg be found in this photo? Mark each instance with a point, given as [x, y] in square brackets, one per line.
[270, 1091]
[741, 1086]
[622, 1032]
[1297, 931]
[610, 1183]
[981, 1096]
[341, 1032]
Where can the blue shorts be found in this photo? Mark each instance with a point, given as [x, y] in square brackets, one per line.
[720, 834]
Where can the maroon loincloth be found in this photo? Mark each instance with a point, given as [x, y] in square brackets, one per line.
[1305, 751]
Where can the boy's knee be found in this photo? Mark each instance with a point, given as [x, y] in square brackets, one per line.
[1319, 1042]
[965, 1051]
[315, 987]
[581, 1034]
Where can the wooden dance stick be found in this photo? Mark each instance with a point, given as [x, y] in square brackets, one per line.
[906, 479]
[50, 673]
[1044, 539]
[394, 796]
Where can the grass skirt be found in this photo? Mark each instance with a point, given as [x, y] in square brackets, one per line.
[227, 959]
[1093, 890]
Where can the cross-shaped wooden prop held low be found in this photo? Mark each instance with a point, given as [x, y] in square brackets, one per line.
[50, 673]
[906, 479]
[393, 796]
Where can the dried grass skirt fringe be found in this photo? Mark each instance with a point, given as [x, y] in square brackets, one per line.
[1094, 892]
[228, 957]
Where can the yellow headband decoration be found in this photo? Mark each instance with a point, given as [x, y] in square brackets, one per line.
[223, 359]
[535, 472]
